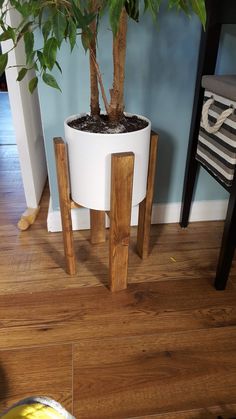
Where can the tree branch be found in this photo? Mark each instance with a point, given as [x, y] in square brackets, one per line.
[99, 76]
[94, 91]
[119, 53]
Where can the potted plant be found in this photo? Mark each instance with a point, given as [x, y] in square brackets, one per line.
[92, 137]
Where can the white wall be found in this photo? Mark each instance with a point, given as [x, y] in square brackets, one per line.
[27, 123]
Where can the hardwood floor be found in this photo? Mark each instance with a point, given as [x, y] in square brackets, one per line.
[44, 369]
[165, 348]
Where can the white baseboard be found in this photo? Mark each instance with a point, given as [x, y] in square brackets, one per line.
[161, 214]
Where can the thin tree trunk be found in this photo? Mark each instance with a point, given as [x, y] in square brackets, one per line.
[94, 91]
[100, 81]
[116, 107]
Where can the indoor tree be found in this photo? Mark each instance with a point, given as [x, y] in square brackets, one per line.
[64, 20]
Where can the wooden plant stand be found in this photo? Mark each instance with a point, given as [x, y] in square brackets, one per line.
[122, 167]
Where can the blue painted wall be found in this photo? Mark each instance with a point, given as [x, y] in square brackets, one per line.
[160, 77]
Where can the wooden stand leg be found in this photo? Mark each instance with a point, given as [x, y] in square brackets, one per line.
[122, 167]
[145, 208]
[97, 226]
[65, 204]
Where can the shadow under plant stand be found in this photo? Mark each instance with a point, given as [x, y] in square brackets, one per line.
[122, 167]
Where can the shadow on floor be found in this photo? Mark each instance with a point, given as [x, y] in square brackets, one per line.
[3, 388]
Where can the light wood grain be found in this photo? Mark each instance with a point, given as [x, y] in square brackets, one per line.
[46, 370]
[145, 207]
[227, 411]
[65, 204]
[93, 312]
[122, 167]
[124, 378]
[170, 309]
[97, 227]
[176, 254]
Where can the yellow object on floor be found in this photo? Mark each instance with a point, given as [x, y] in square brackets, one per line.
[36, 408]
[33, 411]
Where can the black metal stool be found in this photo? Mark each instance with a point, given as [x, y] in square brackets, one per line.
[218, 13]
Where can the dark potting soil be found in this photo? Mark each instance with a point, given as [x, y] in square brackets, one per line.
[102, 125]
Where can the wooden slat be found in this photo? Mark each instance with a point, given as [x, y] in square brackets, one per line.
[97, 227]
[65, 204]
[42, 371]
[122, 166]
[145, 207]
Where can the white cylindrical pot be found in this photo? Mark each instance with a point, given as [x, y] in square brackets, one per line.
[89, 156]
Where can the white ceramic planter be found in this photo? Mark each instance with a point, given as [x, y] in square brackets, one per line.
[89, 157]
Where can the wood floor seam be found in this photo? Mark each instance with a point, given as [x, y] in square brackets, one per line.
[163, 349]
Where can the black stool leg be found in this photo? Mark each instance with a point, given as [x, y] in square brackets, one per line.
[206, 65]
[228, 242]
[190, 178]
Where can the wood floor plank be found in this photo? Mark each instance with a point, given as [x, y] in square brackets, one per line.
[45, 259]
[227, 411]
[175, 253]
[124, 378]
[45, 371]
[163, 349]
[69, 315]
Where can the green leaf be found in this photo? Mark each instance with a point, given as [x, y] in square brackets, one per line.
[82, 21]
[59, 23]
[88, 18]
[132, 9]
[23, 28]
[175, 3]
[29, 46]
[50, 81]
[33, 84]
[22, 74]
[41, 59]
[179, 4]
[115, 8]
[46, 29]
[184, 6]
[8, 34]
[153, 6]
[200, 9]
[197, 6]
[85, 40]
[3, 63]
[50, 52]
[77, 14]
[36, 68]
[40, 16]
[26, 9]
[58, 66]
[72, 30]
